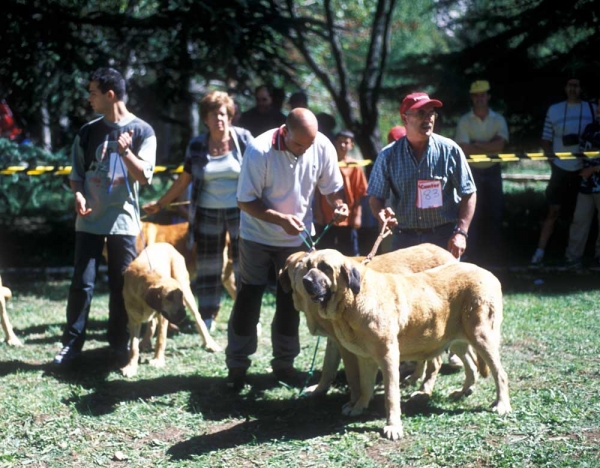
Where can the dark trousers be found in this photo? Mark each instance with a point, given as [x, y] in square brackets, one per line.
[88, 256]
[485, 239]
[438, 236]
[342, 238]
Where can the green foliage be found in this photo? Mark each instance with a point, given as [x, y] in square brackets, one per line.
[22, 194]
[526, 49]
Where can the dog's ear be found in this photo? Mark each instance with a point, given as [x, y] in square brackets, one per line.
[175, 296]
[352, 277]
[154, 298]
[284, 279]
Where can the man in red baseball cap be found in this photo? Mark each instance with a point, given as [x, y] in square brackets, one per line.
[428, 179]
[430, 184]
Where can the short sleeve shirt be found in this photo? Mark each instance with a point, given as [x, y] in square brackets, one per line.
[109, 190]
[284, 183]
[396, 172]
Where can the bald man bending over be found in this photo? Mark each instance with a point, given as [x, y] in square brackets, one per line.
[280, 172]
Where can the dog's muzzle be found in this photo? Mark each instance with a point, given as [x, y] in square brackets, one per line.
[174, 317]
[317, 292]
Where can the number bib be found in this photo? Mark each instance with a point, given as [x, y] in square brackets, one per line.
[429, 194]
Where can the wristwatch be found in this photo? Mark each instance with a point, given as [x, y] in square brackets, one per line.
[124, 153]
[458, 230]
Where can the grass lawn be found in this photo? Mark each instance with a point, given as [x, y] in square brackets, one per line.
[182, 415]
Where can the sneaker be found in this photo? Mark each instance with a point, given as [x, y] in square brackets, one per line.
[236, 379]
[66, 356]
[538, 258]
[595, 265]
[289, 377]
[454, 361]
[571, 265]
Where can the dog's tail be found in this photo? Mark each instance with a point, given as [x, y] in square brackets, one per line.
[5, 292]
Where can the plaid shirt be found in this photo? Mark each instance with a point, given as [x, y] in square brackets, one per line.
[397, 170]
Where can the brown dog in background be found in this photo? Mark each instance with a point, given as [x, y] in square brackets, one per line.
[10, 337]
[157, 286]
[176, 235]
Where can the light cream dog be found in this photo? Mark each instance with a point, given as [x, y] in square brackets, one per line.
[413, 259]
[382, 316]
[10, 338]
[156, 284]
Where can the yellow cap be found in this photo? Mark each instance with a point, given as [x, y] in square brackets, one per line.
[481, 86]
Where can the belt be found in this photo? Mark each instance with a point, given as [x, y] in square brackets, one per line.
[420, 231]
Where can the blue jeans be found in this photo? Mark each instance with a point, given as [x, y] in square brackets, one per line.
[88, 256]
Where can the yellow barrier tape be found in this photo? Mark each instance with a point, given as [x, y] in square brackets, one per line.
[472, 159]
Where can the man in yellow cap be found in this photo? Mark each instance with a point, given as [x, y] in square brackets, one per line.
[483, 131]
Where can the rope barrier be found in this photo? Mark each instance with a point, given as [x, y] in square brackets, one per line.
[177, 169]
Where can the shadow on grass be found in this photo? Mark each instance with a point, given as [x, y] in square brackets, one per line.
[296, 419]
[548, 281]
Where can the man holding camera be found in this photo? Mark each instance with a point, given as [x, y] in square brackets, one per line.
[564, 124]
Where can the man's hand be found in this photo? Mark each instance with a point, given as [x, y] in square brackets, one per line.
[340, 213]
[124, 141]
[152, 207]
[457, 244]
[291, 225]
[387, 214]
[81, 205]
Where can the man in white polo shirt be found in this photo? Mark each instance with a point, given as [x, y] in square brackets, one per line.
[280, 172]
[483, 131]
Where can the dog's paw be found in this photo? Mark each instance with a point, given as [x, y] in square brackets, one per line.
[14, 341]
[315, 390]
[157, 362]
[458, 394]
[393, 432]
[353, 409]
[212, 346]
[420, 397]
[501, 407]
[129, 370]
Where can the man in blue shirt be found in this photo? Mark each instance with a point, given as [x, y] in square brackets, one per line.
[431, 186]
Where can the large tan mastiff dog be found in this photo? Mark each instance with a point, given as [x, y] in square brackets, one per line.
[10, 337]
[156, 285]
[409, 260]
[381, 317]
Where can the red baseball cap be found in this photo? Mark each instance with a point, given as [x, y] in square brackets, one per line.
[416, 101]
[396, 133]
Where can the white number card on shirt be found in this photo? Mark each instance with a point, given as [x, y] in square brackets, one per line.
[429, 194]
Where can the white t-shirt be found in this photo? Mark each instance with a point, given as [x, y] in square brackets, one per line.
[284, 183]
[564, 119]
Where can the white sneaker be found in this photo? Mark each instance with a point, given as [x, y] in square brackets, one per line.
[537, 258]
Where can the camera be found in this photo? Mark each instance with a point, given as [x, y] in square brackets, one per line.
[570, 140]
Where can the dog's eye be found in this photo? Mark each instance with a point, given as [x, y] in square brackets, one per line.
[325, 268]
